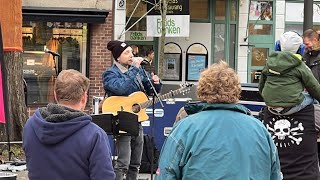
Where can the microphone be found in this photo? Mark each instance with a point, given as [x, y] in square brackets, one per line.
[51, 52]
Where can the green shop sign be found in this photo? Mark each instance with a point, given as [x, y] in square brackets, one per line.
[137, 36]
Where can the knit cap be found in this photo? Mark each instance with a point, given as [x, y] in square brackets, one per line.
[117, 47]
[290, 41]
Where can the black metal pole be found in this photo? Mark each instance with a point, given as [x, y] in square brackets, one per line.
[5, 92]
[152, 135]
[308, 15]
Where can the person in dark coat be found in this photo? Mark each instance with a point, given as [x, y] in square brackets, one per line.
[312, 51]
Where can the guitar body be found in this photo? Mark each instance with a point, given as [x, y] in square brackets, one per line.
[130, 104]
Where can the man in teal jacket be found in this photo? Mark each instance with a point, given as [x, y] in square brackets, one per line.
[219, 139]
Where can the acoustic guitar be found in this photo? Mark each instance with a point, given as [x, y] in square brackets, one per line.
[137, 102]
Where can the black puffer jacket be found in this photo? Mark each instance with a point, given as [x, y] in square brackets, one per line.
[312, 60]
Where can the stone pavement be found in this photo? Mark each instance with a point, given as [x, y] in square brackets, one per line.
[23, 175]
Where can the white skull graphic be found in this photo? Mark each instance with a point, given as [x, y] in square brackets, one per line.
[282, 128]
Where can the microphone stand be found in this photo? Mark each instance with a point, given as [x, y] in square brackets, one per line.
[55, 63]
[154, 95]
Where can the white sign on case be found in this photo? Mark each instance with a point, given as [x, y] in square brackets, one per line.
[176, 25]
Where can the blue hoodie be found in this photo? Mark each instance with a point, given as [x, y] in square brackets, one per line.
[62, 143]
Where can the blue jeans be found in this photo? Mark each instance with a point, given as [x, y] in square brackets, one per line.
[308, 100]
[129, 150]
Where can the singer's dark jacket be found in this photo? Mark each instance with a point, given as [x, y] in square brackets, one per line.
[120, 81]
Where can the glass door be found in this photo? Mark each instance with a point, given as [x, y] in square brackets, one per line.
[260, 37]
[258, 55]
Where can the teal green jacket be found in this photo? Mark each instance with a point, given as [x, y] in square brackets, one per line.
[284, 78]
[218, 141]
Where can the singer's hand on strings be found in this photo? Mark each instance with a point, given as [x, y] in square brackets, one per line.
[136, 61]
[155, 78]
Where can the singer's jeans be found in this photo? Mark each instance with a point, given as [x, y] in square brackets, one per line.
[129, 149]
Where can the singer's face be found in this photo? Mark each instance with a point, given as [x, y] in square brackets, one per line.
[126, 57]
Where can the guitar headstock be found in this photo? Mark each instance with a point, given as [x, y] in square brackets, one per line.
[185, 88]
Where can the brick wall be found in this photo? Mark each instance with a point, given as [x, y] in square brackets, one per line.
[100, 56]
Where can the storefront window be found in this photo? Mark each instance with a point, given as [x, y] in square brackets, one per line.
[261, 10]
[139, 26]
[220, 12]
[67, 40]
[219, 31]
[199, 9]
[260, 29]
[294, 21]
[233, 12]
[259, 56]
[232, 45]
[136, 10]
[299, 28]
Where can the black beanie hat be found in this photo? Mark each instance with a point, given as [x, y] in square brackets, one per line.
[116, 47]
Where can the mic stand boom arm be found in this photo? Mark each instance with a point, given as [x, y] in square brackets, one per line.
[155, 94]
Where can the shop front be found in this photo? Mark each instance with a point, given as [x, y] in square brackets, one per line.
[211, 36]
[55, 39]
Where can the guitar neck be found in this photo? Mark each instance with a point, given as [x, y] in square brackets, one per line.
[164, 96]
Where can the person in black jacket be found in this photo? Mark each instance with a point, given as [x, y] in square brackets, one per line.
[312, 51]
[149, 57]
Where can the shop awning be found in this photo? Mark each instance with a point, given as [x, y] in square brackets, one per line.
[85, 15]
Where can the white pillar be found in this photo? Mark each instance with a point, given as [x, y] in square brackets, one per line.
[280, 18]
[242, 69]
[119, 19]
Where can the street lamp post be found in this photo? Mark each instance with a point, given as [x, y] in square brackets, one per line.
[308, 15]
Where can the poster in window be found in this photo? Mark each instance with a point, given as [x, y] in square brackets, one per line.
[172, 67]
[260, 10]
[195, 65]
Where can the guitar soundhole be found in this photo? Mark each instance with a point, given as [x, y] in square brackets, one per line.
[136, 108]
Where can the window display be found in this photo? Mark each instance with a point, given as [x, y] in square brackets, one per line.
[195, 65]
[261, 10]
[197, 61]
[67, 40]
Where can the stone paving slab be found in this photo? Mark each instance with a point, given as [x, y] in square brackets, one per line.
[23, 175]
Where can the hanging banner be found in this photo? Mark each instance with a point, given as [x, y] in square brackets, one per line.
[2, 103]
[176, 26]
[177, 19]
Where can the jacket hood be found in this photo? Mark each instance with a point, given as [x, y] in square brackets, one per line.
[282, 62]
[192, 108]
[55, 123]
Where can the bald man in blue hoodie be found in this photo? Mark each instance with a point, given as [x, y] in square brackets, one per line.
[61, 142]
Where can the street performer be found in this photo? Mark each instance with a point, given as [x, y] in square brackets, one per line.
[124, 78]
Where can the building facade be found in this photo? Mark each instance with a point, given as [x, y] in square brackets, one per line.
[241, 32]
[76, 32]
